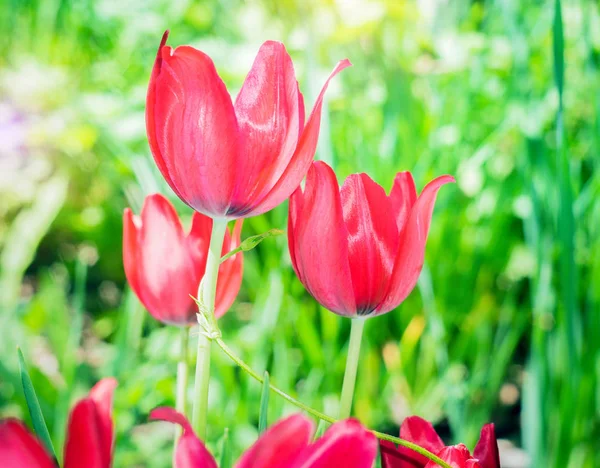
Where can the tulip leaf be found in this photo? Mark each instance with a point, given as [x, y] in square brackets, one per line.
[225, 458]
[37, 418]
[251, 242]
[264, 404]
[321, 427]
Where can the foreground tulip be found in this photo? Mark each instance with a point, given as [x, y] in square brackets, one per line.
[421, 432]
[89, 442]
[164, 266]
[287, 444]
[224, 159]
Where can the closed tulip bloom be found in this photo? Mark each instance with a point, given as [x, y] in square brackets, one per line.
[164, 266]
[421, 432]
[90, 435]
[230, 159]
[286, 444]
[358, 251]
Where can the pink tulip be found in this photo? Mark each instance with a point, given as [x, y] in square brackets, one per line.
[287, 444]
[164, 266]
[225, 159]
[90, 435]
[357, 250]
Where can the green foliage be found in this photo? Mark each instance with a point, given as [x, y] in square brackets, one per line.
[504, 325]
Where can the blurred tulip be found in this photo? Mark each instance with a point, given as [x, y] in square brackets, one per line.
[224, 159]
[358, 251]
[421, 432]
[90, 435]
[164, 266]
[286, 444]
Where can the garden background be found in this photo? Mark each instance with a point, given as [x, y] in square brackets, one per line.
[504, 325]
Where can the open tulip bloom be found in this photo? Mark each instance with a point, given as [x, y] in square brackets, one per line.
[421, 432]
[90, 436]
[164, 266]
[225, 159]
[287, 444]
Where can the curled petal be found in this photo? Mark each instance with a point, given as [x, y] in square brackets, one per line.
[280, 445]
[318, 241]
[372, 239]
[230, 272]
[486, 450]
[303, 155]
[457, 456]
[268, 112]
[346, 443]
[192, 128]
[421, 432]
[411, 252]
[131, 225]
[190, 451]
[18, 448]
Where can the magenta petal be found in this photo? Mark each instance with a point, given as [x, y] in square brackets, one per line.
[18, 448]
[345, 444]
[421, 432]
[269, 118]
[318, 241]
[191, 452]
[102, 395]
[303, 155]
[411, 252]
[280, 445]
[457, 456]
[85, 444]
[486, 450]
[403, 196]
[230, 272]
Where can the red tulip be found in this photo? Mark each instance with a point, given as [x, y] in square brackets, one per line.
[225, 159]
[89, 442]
[164, 266]
[357, 250]
[287, 444]
[421, 432]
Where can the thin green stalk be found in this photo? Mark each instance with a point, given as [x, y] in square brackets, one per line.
[182, 377]
[318, 414]
[206, 294]
[356, 332]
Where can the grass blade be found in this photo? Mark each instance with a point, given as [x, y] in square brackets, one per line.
[264, 404]
[37, 418]
[225, 458]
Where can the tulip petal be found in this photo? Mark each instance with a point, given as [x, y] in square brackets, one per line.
[230, 272]
[318, 241]
[19, 448]
[166, 268]
[268, 114]
[303, 155]
[192, 128]
[372, 239]
[131, 226]
[457, 456]
[403, 197]
[421, 432]
[85, 444]
[280, 445]
[190, 452]
[346, 443]
[411, 252]
[486, 450]
[102, 395]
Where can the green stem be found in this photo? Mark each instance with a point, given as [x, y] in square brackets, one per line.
[356, 331]
[318, 414]
[206, 294]
[182, 377]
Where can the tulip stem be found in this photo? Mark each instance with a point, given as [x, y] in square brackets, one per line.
[317, 414]
[182, 377]
[356, 332]
[206, 295]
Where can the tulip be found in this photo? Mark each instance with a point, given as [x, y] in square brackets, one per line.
[89, 442]
[421, 432]
[224, 159]
[287, 444]
[358, 251]
[164, 266]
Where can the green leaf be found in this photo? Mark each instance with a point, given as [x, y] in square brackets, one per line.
[39, 424]
[225, 458]
[264, 404]
[251, 242]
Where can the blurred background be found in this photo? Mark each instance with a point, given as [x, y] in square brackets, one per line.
[505, 323]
